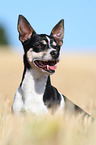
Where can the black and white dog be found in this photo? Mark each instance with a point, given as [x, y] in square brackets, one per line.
[41, 54]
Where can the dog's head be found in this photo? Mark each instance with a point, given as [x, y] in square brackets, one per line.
[41, 51]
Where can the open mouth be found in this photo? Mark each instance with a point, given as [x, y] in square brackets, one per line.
[46, 66]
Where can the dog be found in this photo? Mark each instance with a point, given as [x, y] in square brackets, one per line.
[41, 55]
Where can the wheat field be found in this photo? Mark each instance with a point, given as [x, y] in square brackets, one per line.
[75, 77]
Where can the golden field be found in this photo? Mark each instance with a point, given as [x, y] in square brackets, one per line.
[75, 77]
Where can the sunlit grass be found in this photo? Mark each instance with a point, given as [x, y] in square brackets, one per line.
[53, 130]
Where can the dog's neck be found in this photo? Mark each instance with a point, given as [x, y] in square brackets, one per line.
[33, 87]
[35, 79]
[36, 75]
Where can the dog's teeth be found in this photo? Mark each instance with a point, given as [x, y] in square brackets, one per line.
[47, 67]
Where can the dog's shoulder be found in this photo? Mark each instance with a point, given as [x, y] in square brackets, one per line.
[52, 98]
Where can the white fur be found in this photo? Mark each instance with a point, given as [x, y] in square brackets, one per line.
[48, 41]
[44, 42]
[61, 107]
[33, 55]
[54, 43]
[30, 96]
[18, 101]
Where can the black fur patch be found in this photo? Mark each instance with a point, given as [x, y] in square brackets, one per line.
[51, 96]
[35, 40]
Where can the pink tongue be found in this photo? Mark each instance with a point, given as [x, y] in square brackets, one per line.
[51, 67]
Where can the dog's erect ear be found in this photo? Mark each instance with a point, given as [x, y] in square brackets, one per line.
[24, 28]
[58, 32]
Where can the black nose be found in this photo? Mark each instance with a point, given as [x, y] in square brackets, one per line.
[54, 54]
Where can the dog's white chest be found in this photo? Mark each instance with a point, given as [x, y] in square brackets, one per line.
[32, 91]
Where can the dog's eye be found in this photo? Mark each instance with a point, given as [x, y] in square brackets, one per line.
[39, 46]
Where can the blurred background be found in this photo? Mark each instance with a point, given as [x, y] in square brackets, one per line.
[79, 16]
[76, 73]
